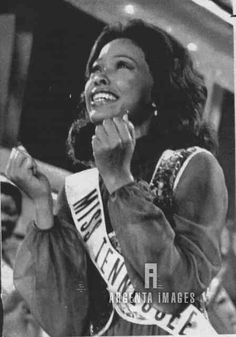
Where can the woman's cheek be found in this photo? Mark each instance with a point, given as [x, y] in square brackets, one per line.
[87, 105]
[86, 92]
[125, 83]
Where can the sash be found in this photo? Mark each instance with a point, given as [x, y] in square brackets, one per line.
[85, 202]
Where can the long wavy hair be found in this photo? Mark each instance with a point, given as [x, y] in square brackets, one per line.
[178, 91]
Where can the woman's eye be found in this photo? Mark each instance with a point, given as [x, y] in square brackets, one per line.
[95, 68]
[123, 65]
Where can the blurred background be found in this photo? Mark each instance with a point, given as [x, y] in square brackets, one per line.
[44, 46]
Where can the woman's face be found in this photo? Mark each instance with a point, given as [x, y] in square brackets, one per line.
[120, 80]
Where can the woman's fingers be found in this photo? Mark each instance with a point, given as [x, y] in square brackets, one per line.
[31, 164]
[20, 164]
[130, 126]
[22, 170]
[19, 158]
[113, 133]
[122, 129]
[125, 129]
[106, 135]
[100, 133]
[131, 129]
[113, 136]
[12, 164]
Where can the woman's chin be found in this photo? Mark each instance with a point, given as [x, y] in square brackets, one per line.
[97, 117]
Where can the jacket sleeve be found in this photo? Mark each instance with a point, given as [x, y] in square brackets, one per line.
[51, 275]
[186, 253]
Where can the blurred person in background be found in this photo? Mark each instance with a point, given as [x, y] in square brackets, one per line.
[220, 306]
[17, 319]
[163, 192]
[11, 207]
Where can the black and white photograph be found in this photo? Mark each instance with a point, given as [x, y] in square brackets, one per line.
[117, 168]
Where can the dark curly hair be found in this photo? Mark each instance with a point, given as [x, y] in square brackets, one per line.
[178, 91]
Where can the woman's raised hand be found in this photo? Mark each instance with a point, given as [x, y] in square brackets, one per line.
[25, 173]
[113, 146]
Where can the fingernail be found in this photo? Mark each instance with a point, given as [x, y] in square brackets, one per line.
[13, 151]
[125, 117]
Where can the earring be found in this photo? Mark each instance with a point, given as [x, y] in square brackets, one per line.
[155, 111]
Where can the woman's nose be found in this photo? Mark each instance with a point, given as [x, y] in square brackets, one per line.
[101, 78]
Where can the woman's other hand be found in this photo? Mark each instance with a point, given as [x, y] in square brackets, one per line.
[113, 146]
[24, 172]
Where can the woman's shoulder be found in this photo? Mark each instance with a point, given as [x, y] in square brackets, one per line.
[182, 170]
[185, 154]
[196, 163]
[201, 182]
[173, 164]
[199, 164]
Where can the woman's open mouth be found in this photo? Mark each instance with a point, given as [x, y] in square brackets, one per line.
[103, 97]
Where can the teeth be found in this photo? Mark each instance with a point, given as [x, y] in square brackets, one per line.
[102, 97]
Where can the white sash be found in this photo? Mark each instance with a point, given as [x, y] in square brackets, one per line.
[84, 199]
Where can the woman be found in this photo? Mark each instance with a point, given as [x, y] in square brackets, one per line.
[142, 97]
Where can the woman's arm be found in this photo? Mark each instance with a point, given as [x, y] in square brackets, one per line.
[187, 255]
[50, 269]
[51, 275]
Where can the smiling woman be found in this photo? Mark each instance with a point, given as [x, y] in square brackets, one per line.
[153, 201]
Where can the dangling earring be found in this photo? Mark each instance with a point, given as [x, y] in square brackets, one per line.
[155, 111]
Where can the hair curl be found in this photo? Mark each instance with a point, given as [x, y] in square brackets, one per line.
[178, 91]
